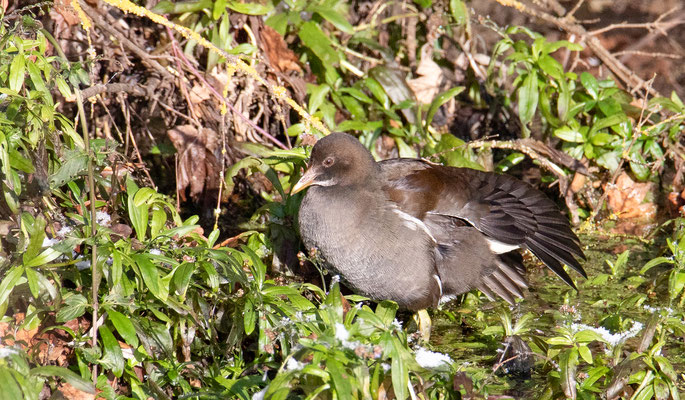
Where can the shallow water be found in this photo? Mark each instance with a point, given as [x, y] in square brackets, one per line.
[467, 330]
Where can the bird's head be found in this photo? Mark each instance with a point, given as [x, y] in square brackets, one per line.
[337, 160]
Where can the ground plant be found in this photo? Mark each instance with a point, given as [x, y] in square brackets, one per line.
[148, 238]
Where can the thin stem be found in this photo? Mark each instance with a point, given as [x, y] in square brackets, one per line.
[93, 229]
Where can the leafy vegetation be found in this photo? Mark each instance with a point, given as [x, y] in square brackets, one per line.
[181, 316]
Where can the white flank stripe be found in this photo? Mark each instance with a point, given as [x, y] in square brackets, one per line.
[413, 223]
[500, 247]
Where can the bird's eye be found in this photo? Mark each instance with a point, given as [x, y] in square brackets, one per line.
[328, 162]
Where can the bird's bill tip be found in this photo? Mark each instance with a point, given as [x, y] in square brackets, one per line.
[305, 181]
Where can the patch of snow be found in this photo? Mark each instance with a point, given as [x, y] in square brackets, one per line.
[102, 218]
[341, 332]
[49, 242]
[613, 339]
[260, 395]
[431, 359]
[293, 365]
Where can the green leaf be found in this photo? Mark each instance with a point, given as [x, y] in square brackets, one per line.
[354, 107]
[559, 341]
[594, 374]
[63, 87]
[334, 18]
[249, 8]
[590, 84]
[666, 367]
[601, 139]
[76, 162]
[569, 134]
[351, 125]
[181, 7]
[278, 21]
[10, 280]
[74, 307]
[317, 95]
[528, 98]
[340, 377]
[585, 353]
[377, 91]
[609, 160]
[459, 12]
[69, 376]
[157, 222]
[676, 282]
[43, 258]
[386, 311]
[143, 195]
[587, 336]
[647, 393]
[357, 94]
[554, 46]
[181, 278]
[150, 275]
[611, 120]
[124, 326]
[17, 73]
[551, 67]
[18, 161]
[32, 278]
[568, 363]
[439, 100]
[639, 166]
[249, 316]
[258, 266]
[139, 216]
[313, 37]
[9, 386]
[38, 82]
[404, 150]
[510, 161]
[400, 373]
[113, 358]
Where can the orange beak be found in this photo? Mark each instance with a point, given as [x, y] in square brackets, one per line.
[305, 181]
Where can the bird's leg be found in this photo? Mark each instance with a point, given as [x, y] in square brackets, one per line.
[423, 325]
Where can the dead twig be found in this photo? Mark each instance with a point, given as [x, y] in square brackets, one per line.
[221, 98]
[130, 88]
[142, 54]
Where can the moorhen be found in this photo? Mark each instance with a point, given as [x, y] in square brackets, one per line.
[419, 233]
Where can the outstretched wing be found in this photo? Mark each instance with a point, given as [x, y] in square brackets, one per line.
[508, 211]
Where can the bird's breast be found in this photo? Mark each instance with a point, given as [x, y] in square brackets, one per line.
[380, 252]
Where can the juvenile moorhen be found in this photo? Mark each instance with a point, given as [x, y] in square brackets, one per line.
[417, 233]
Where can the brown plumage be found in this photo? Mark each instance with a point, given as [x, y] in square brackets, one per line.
[415, 232]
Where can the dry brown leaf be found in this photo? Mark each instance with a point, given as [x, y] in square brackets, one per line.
[676, 204]
[64, 8]
[66, 391]
[280, 56]
[427, 85]
[199, 93]
[626, 198]
[197, 166]
[630, 202]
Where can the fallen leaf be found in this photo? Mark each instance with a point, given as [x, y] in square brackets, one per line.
[427, 85]
[277, 52]
[66, 391]
[65, 9]
[626, 198]
[631, 202]
[197, 167]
